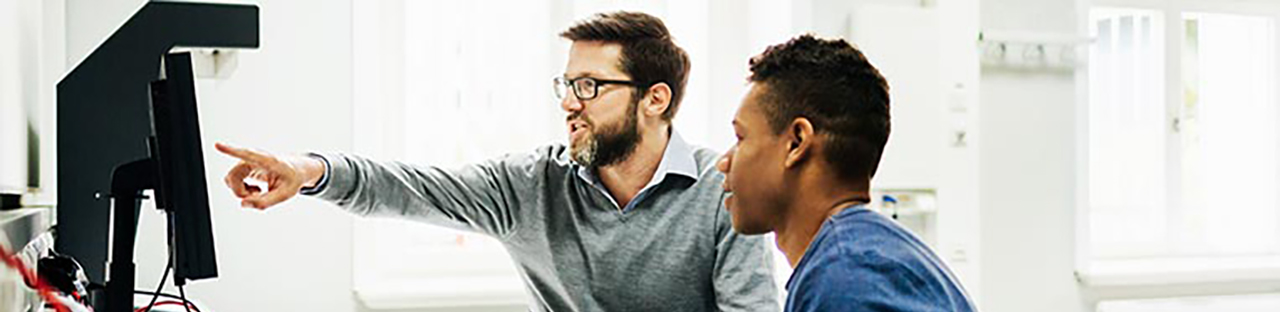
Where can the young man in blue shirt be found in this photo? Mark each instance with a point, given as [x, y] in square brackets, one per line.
[810, 135]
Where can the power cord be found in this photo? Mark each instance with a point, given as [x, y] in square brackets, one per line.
[186, 304]
[163, 278]
[183, 293]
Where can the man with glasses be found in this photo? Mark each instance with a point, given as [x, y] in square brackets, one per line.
[628, 217]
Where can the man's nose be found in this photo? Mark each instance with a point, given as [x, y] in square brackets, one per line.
[725, 161]
[570, 103]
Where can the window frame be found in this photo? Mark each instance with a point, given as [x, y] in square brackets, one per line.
[1167, 276]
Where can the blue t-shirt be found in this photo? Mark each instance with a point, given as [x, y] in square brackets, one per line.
[862, 261]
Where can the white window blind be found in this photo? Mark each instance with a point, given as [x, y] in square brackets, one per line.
[1182, 136]
[1127, 151]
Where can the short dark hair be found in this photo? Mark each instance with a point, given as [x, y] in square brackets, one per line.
[832, 84]
[649, 55]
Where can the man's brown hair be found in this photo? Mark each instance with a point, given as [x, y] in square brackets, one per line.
[649, 55]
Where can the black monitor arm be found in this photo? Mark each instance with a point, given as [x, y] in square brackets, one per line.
[128, 181]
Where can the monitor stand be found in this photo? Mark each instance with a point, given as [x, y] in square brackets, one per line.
[128, 181]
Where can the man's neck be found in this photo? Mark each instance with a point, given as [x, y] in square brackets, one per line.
[625, 179]
[810, 209]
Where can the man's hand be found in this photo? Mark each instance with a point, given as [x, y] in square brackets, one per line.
[283, 176]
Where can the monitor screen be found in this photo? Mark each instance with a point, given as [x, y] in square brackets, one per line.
[182, 192]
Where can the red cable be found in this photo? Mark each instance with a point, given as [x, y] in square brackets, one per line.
[167, 302]
[34, 281]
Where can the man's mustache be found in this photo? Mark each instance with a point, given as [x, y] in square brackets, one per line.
[579, 116]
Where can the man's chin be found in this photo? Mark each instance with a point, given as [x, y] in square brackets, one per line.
[576, 145]
[580, 153]
[748, 228]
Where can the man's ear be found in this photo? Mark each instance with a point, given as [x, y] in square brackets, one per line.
[800, 141]
[657, 100]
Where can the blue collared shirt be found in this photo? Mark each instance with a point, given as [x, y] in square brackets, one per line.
[862, 261]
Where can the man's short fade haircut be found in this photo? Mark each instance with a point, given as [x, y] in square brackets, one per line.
[649, 55]
[832, 84]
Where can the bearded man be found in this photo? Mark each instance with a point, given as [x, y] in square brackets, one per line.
[627, 217]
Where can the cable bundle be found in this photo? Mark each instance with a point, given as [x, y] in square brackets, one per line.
[47, 292]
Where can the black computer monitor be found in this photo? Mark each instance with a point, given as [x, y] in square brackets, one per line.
[108, 152]
[174, 170]
[179, 155]
[103, 115]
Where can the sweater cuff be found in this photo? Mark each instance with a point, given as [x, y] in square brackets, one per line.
[324, 179]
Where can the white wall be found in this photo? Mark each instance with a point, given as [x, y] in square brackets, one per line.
[19, 42]
[291, 95]
[1027, 170]
[32, 43]
[12, 161]
[52, 60]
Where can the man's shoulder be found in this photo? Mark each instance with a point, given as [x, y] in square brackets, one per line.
[868, 253]
[860, 247]
[706, 159]
[838, 278]
[556, 153]
[546, 155]
[867, 238]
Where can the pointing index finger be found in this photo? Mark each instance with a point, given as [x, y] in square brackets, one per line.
[245, 154]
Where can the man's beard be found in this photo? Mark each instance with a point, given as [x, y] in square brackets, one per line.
[608, 145]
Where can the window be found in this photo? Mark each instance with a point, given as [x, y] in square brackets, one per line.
[1227, 128]
[1181, 133]
[1127, 133]
[450, 80]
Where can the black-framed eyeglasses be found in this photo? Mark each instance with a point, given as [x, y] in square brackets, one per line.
[585, 88]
